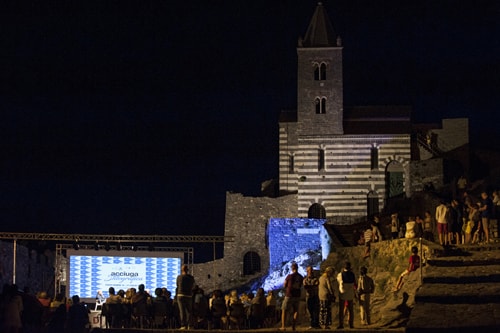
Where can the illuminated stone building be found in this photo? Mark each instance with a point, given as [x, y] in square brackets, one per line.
[336, 163]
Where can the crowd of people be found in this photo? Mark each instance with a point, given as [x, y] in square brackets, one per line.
[465, 219]
[21, 311]
[24, 311]
[325, 292]
[190, 308]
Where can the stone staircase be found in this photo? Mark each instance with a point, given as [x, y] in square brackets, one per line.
[460, 291]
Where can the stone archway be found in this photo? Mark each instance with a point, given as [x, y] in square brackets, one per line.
[394, 180]
[316, 211]
[251, 263]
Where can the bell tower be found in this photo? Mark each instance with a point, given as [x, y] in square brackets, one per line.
[319, 84]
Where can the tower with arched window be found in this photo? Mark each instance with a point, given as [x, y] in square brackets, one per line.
[343, 162]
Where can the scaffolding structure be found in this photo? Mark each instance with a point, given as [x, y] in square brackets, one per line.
[108, 243]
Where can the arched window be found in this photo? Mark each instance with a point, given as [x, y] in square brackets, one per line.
[320, 72]
[316, 211]
[316, 73]
[291, 164]
[394, 177]
[320, 104]
[251, 263]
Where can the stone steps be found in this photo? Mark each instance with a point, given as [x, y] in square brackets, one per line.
[460, 292]
[468, 293]
[462, 318]
[473, 273]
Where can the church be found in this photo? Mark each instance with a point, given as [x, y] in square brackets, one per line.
[338, 164]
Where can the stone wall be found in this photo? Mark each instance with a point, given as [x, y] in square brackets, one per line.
[291, 238]
[453, 134]
[247, 220]
[423, 173]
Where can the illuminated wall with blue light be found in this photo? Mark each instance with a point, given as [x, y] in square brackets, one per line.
[290, 238]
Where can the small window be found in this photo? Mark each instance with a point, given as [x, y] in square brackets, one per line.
[291, 164]
[374, 158]
[320, 104]
[321, 159]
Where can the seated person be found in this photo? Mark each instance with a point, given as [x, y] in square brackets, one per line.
[414, 264]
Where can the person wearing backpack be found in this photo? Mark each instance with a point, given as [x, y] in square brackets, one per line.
[366, 287]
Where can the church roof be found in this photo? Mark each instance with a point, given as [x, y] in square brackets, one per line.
[320, 32]
[370, 119]
[380, 119]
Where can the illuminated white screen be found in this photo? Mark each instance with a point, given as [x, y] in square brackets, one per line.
[93, 271]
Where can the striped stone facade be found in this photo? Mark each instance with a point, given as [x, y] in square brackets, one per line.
[348, 175]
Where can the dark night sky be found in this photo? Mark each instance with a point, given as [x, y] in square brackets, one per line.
[137, 116]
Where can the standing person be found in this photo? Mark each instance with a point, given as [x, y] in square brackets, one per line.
[366, 287]
[78, 316]
[347, 289]
[486, 213]
[456, 223]
[472, 222]
[311, 285]
[368, 234]
[377, 235]
[394, 226]
[293, 289]
[419, 227]
[326, 297]
[442, 223]
[469, 200]
[413, 265]
[184, 296]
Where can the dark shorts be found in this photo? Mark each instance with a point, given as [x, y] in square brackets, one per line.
[455, 227]
[442, 228]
